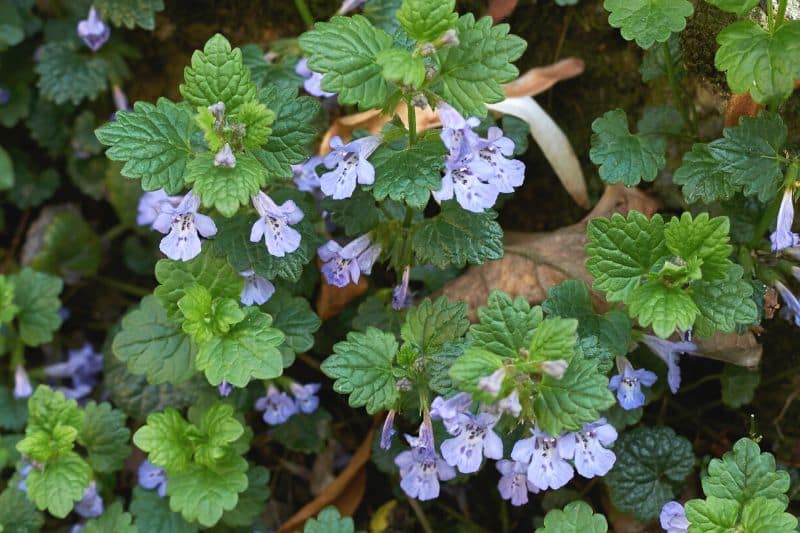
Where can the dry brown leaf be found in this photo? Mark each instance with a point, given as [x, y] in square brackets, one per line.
[741, 105]
[500, 9]
[538, 80]
[332, 299]
[345, 492]
[742, 350]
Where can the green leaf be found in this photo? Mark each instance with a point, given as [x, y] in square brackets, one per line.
[738, 7]
[12, 31]
[208, 270]
[704, 238]
[622, 250]
[69, 246]
[218, 74]
[345, 50]
[472, 71]
[762, 62]
[17, 513]
[154, 142]
[248, 351]
[13, 411]
[221, 429]
[648, 21]
[624, 157]
[724, 304]
[202, 494]
[36, 296]
[8, 310]
[60, 484]
[113, 519]
[456, 237]
[410, 173]
[205, 318]
[576, 398]
[425, 20]
[105, 437]
[751, 154]
[305, 433]
[225, 188]
[433, 323]
[475, 363]
[554, 339]
[329, 521]
[67, 75]
[154, 346]
[712, 515]
[294, 317]
[744, 474]
[130, 13]
[654, 63]
[652, 463]
[45, 447]
[251, 501]
[382, 14]
[401, 66]
[761, 515]
[666, 308]
[233, 242]
[48, 409]
[358, 214]
[738, 385]
[505, 325]
[164, 438]
[293, 131]
[362, 368]
[577, 517]
[660, 120]
[31, 189]
[6, 170]
[702, 178]
[438, 364]
[152, 513]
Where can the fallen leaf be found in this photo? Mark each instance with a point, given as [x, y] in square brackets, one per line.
[537, 80]
[500, 9]
[332, 299]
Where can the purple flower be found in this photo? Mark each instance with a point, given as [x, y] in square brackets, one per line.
[277, 406]
[457, 134]
[120, 98]
[350, 165]
[152, 204]
[421, 468]
[305, 396]
[514, 484]
[546, 458]
[82, 367]
[225, 388]
[673, 518]
[668, 352]
[555, 368]
[91, 505]
[274, 225]
[468, 179]
[23, 474]
[350, 5]
[474, 439]
[184, 224]
[305, 175]
[225, 157]
[388, 431]
[93, 30]
[401, 297]
[343, 265]
[493, 383]
[792, 309]
[5, 96]
[153, 477]
[591, 456]
[22, 385]
[783, 237]
[628, 384]
[495, 150]
[313, 80]
[510, 405]
[256, 290]
[449, 411]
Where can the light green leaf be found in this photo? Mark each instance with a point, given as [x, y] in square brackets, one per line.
[48, 409]
[426, 20]
[105, 437]
[762, 515]
[130, 13]
[712, 515]
[475, 363]
[60, 484]
[622, 250]
[44, 447]
[455, 237]
[165, 439]
[554, 339]
[17, 513]
[505, 325]
[702, 177]
[345, 50]
[652, 463]
[113, 519]
[221, 429]
[248, 351]
[362, 368]
[251, 501]
[433, 323]
[8, 310]
[401, 66]
[577, 517]
[760, 62]
[205, 318]
[666, 308]
[36, 296]
[624, 157]
[410, 173]
[154, 141]
[738, 7]
[226, 188]
[152, 513]
[576, 398]
[704, 238]
[471, 72]
[724, 304]
[218, 74]
[154, 346]
[738, 385]
[202, 494]
[329, 521]
[648, 21]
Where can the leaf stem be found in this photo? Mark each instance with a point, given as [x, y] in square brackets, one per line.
[763, 224]
[412, 124]
[781, 12]
[120, 286]
[676, 89]
[423, 520]
[113, 232]
[305, 13]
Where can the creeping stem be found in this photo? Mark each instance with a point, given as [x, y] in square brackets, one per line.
[412, 124]
[676, 90]
[305, 13]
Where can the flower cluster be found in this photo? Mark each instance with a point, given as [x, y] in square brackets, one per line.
[343, 265]
[278, 406]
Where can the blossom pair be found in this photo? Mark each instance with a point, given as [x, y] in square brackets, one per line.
[81, 368]
[278, 406]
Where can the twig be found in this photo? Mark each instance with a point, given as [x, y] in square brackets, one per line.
[12, 250]
[423, 520]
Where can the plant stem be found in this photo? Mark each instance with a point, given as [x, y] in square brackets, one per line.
[676, 89]
[412, 124]
[423, 520]
[781, 12]
[700, 382]
[124, 287]
[113, 232]
[770, 16]
[763, 224]
[305, 13]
